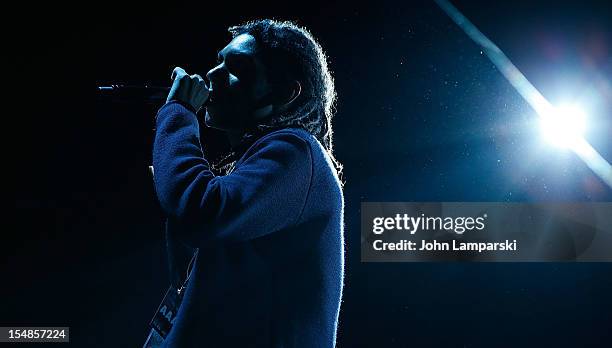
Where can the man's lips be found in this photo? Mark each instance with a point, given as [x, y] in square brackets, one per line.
[214, 96]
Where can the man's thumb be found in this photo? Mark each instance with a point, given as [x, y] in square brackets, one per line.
[177, 72]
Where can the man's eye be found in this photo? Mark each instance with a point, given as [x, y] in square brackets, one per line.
[238, 66]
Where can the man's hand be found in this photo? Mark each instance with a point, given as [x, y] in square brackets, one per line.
[188, 89]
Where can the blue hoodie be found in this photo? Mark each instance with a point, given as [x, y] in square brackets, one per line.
[269, 271]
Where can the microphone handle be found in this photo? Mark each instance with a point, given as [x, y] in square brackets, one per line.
[133, 93]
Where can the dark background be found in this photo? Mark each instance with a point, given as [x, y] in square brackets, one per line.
[422, 115]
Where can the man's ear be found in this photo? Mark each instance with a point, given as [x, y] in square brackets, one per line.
[293, 92]
[279, 101]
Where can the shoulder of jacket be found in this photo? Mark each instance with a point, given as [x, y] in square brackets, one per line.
[292, 134]
[297, 132]
[301, 139]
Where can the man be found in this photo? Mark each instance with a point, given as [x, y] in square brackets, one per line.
[269, 234]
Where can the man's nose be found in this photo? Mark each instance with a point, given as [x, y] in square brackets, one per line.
[217, 76]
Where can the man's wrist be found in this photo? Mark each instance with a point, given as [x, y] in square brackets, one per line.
[184, 104]
[172, 109]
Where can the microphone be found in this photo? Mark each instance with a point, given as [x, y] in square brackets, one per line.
[134, 93]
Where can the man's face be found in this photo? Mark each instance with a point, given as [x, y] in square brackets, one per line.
[237, 84]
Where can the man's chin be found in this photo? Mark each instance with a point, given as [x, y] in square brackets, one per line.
[209, 121]
[213, 121]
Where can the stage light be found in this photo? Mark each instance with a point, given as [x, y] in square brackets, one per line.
[564, 126]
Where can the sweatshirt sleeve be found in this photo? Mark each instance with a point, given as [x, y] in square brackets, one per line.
[265, 193]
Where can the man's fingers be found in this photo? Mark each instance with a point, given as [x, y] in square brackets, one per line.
[198, 79]
[190, 89]
[178, 72]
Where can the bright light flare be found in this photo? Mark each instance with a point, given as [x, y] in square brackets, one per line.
[564, 126]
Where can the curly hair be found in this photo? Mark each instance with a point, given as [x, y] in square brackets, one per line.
[294, 54]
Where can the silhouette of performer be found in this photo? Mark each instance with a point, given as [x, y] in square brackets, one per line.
[268, 235]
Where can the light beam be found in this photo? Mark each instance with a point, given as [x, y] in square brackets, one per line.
[561, 124]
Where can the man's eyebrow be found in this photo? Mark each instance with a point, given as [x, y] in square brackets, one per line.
[239, 54]
[234, 53]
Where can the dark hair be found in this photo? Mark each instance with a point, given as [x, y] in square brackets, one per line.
[292, 53]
